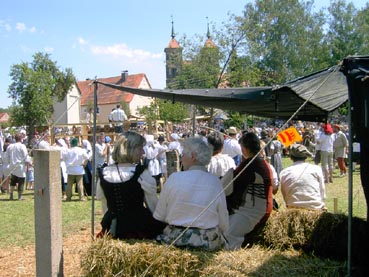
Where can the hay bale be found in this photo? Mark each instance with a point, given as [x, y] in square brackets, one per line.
[108, 257]
[320, 233]
[298, 243]
[291, 228]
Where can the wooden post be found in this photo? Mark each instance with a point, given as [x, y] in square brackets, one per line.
[335, 205]
[173, 163]
[48, 213]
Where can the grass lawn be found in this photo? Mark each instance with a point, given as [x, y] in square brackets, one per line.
[17, 223]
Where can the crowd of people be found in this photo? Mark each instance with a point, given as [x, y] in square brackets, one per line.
[217, 198]
[222, 191]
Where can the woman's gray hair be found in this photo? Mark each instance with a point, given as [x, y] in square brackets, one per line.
[127, 148]
[199, 148]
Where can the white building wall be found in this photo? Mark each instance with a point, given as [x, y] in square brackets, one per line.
[139, 101]
[68, 111]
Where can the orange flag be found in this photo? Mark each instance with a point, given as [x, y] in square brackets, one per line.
[289, 136]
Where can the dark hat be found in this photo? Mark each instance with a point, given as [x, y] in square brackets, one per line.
[299, 151]
[73, 142]
[161, 138]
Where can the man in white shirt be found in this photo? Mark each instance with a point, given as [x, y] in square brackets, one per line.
[231, 145]
[302, 184]
[75, 159]
[17, 159]
[194, 200]
[118, 116]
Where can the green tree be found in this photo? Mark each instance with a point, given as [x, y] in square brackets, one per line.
[284, 39]
[342, 36]
[175, 112]
[362, 28]
[200, 68]
[33, 89]
[125, 108]
[164, 110]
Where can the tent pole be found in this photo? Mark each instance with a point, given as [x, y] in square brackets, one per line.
[193, 120]
[349, 218]
[93, 164]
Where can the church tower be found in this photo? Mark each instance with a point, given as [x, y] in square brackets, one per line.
[209, 43]
[173, 59]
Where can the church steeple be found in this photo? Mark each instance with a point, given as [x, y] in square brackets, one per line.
[173, 60]
[209, 42]
[173, 34]
[208, 32]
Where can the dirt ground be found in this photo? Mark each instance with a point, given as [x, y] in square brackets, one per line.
[16, 261]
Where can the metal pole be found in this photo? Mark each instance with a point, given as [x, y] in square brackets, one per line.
[93, 164]
[349, 218]
[193, 120]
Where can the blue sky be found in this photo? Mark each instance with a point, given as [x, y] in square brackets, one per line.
[102, 38]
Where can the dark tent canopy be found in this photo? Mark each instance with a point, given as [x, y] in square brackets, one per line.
[325, 91]
[310, 98]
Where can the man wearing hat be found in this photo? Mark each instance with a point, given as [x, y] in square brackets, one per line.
[231, 145]
[302, 183]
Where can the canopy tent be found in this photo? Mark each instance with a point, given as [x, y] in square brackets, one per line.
[309, 98]
[326, 90]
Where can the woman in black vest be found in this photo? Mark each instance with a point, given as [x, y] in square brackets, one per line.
[130, 192]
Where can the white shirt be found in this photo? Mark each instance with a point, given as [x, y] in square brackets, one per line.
[151, 153]
[175, 145]
[62, 162]
[44, 145]
[302, 186]
[187, 194]
[99, 154]
[118, 116]
[16, 159]
[317, 136]
[326, 142]
[232, 147]
[220, 164]
[74, 159]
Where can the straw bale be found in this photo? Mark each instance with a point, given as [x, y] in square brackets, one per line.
[108, 257]
[132, 258]
[322, 233]
[291, 228]
[293, 242]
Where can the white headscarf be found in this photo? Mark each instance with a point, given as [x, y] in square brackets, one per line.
[86, 144]
[62, 143]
